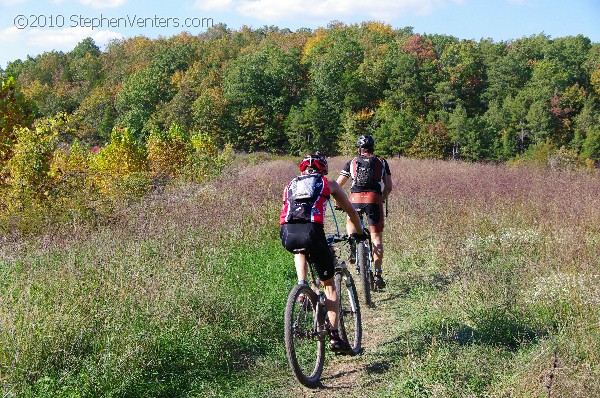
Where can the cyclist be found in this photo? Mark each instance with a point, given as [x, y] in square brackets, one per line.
[301, 219]
[371, 185]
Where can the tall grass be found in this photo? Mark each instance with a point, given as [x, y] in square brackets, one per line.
[500, 268]
[493, 281]
[176, 297]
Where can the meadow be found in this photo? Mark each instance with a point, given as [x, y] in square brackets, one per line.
[493, 290]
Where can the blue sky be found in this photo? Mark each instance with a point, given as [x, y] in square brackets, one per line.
[30, 27]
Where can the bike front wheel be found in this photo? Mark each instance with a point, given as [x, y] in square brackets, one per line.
[349, 319]
[364, 271]
[304, 345]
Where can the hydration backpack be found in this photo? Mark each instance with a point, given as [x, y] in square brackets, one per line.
[365, 172]
[303, 188]
[306, 196]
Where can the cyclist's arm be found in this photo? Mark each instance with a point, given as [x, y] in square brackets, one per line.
[387, 186]
[342, 180]
[342, 201]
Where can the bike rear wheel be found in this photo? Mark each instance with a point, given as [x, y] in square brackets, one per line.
[304, 346]
[364, 271]
[350, 325]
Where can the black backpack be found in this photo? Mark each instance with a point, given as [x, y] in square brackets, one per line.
[365, 172]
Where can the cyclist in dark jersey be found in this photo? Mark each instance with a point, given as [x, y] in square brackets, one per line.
[371, 185]
[301, 219]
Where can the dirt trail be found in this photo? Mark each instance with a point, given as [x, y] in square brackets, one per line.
[362, 375]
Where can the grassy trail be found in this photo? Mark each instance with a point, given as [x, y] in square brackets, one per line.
[493, 291]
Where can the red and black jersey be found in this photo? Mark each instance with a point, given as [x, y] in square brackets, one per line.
[367, 172]
[305, 199]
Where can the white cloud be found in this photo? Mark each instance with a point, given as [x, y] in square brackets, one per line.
[103, 3]
[9, 3]
[66, 39]
[213, 5]
[275, 10]
[55, 39]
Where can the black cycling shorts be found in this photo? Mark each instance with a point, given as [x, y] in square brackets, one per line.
[310, 236]
[374, 213]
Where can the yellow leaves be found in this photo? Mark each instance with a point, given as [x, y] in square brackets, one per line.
[378, 27]
[595, 81]
[314, 43]
[119, 159]
[28, 170]
[177, 79]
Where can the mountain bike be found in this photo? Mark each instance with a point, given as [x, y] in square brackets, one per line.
[364, 265]
[307, 323]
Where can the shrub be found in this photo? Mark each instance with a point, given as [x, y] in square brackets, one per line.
[206, 159]
[74, 190]
[28, 169]
[591, 146]
[121, 159]
[168, 151]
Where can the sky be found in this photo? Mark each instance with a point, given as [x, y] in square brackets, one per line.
[29, 28]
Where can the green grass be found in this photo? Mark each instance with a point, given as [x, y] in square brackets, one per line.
[131, 326]
[493, 290]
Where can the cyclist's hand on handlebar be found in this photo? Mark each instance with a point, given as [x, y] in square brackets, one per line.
[360, 237]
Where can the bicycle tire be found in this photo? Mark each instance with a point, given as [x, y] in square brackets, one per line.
[304, 347]
[364, 271]
[349, 318]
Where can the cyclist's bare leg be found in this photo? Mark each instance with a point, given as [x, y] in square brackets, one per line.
[377, 239]
[331, 302]
[301, 266]
[350, 229]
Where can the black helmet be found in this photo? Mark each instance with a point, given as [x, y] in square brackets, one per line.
[365, 141]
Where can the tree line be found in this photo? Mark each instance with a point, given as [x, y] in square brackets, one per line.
[282, 91]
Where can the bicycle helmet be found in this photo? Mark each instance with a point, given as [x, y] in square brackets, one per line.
[365, 141]
[314, 161]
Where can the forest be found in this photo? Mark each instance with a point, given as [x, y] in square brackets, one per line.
[281, 91]
[143, 109]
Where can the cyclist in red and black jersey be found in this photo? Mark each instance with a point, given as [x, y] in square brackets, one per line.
[301, 219]
[371, 185]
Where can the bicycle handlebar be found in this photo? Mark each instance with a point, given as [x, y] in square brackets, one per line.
[336, 238]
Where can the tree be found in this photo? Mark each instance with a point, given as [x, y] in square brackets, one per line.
[462, 64]
[395, 131]
[507, 74]
[260, 88]
[497, 125]
[15, 112]
[210, 116]
[84, 48]
[539, 121]
[145, 89]
[306, 129]
[333, 60]
[433, 142]
[591, 146]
